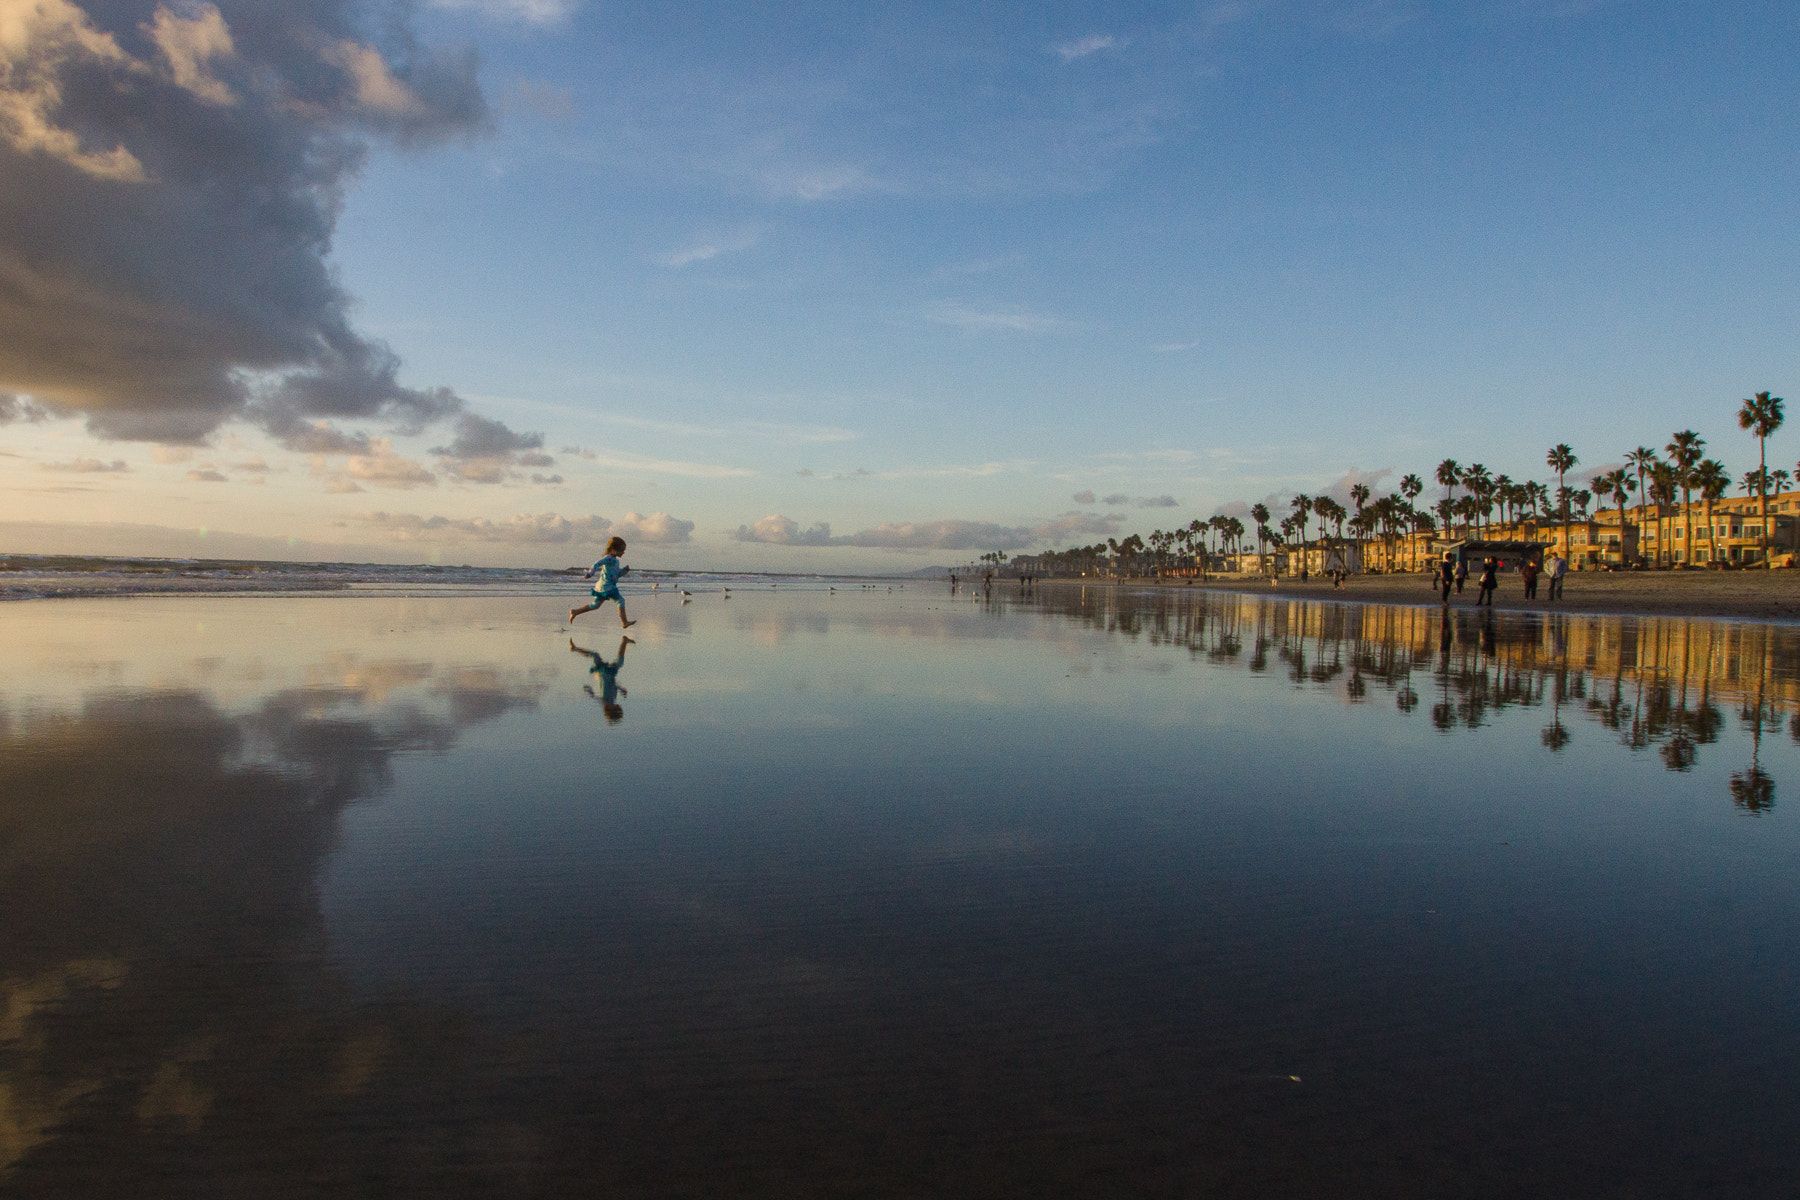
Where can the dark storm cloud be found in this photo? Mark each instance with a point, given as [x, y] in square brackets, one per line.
[170, 178]
[486, 451]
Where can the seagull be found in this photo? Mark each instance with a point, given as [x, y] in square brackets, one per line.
[685, 592]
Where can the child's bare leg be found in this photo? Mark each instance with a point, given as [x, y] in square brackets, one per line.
[576, 612]
[623, 623]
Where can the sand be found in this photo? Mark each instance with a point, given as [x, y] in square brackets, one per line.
[1737, 595]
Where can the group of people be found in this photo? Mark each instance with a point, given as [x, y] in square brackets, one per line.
[1453, 571]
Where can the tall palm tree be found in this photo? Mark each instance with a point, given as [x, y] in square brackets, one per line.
[1410, 487]
[1449, 474]
[1713, 480]
[1615, 483]
[1302, 505]
[1476, 481]
[1560, 459]
[1762, 416]
[1663, 486]
[1260, 514]
[1685, 450]
[1642, 460]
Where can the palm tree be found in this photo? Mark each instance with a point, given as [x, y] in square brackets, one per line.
[1560, 459]
[1260, 514]
[1663, 486]
[1615, 483]
[1410, 487]
[1449, 474]
[1684, 452]
[1713, 480]
[1762, 416]
[1302, 505]
[1642, 460]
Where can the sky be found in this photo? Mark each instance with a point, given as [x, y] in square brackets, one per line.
[861, 288]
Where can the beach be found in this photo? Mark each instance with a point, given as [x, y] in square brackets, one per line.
[1734, 595]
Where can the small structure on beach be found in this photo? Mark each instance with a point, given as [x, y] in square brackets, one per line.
[1475, 551]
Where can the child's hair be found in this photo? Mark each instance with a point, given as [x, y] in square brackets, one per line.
[616, 546]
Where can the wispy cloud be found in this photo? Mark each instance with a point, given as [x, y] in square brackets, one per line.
[666, 466]
[1093, 43]
[88, 466]
[532, 529]
[1011, 320]
[707, 247]
[532, 12]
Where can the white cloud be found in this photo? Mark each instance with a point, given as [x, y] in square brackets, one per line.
[664, 466]
[658, 529]
[778, 530]
[951, 312]
[1091, 44]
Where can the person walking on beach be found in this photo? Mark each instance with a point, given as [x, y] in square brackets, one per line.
[1558, 567]
[1462, 574]
[1529, 572]
[605, 574]
[606, 674]
[1446, 573]
[1490, 579]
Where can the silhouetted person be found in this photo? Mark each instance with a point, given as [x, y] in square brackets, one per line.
[1446, 574]
[1490, 579]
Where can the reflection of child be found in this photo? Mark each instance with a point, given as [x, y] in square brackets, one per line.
[605, 575]
[606, 674]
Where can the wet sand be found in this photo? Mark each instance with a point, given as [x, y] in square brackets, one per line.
[1734, 595]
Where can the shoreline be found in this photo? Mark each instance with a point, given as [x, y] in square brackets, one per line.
[1771, 597]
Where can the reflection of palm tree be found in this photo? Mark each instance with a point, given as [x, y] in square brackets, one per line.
[1753, 790]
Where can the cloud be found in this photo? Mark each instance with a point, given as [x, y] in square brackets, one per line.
[384, 467]
[170, 179]
[1340, 488]
[706, 248]
[579, 452]
[545, 99]
[206, 475]
[778, 530]
[929, 535]
[1086, 497]
[551, 529]
[254, 466]
[546, 480]
[340, 486]
[1082, 47]
[951, 312]
[172, 454]
[805, 472]
[20, 408]
[1164, 501]
[657, 529]
[486, 451]
[531, 12]
[88, 466]
[1116, 499]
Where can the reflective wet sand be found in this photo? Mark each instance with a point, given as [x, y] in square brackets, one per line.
[892, 894]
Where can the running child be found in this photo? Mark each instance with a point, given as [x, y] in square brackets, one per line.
[605, 575]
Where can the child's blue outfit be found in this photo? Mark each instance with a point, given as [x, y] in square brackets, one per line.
[606, 582]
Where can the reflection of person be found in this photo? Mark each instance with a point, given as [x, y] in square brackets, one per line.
[605, 574]
[1490, 579]
[606, 674]
[1559, 566]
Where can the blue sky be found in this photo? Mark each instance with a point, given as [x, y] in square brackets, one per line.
[936, 270]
